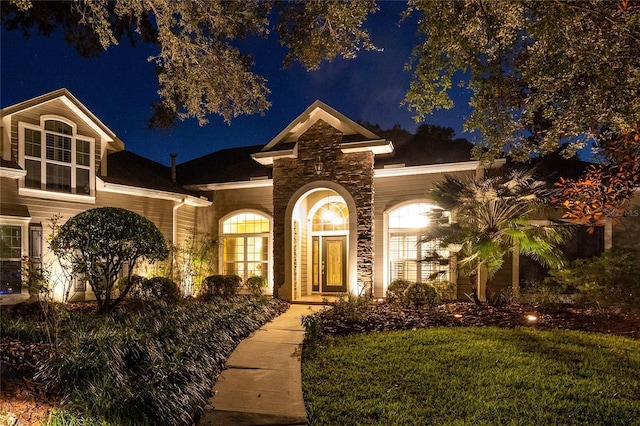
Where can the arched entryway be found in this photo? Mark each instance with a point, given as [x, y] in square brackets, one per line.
[329, 223]
[321, 254]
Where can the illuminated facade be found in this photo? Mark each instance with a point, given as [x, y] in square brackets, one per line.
[326, 207]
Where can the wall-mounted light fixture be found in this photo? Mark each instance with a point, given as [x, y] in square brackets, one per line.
[318, 166]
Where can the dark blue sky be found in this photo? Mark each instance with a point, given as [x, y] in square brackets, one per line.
[119, 85]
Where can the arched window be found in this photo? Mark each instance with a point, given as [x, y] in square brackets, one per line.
[331, 216]
[56, 158]
[246, 245]
[409, 257]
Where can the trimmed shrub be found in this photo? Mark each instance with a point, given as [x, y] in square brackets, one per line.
[256, 284]
[156, 288]
[420, 294]
[163, 289]
[220, 286]
[100, 242]
[395, 292]
[347, 313]
[134, 283]
[350, 307]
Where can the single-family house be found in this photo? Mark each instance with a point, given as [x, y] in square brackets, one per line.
[58, 159]
[327, 206]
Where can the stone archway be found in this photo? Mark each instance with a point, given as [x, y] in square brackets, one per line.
[350, 176]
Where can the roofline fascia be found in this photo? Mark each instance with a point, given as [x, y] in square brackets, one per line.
[400, 171]
[306, 114]
[267, 158]
[117, 188]
[378, 146]
[72, 103]
[244, 184]
[11, 173]
[434, 168]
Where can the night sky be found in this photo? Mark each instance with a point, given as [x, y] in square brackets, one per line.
[119, 85]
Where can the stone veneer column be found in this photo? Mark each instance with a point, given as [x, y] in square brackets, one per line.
[353, 171]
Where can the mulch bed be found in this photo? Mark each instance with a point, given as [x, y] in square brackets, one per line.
[388, 317]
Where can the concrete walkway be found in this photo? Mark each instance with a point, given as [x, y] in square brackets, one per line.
[262, 381]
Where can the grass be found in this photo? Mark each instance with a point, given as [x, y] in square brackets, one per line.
[473, 376]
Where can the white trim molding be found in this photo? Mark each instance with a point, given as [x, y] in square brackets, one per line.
[11, 173]
[434, 168]
[244, 184]
[59, 196]
[268, 157]
[380, 146]
[117, 188]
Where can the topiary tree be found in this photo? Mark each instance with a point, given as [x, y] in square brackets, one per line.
[99, 242]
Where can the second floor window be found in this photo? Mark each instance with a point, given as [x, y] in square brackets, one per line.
[57, 159]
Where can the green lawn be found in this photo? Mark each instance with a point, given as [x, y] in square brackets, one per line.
[473, 376]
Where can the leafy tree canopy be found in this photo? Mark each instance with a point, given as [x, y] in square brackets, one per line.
[542, 73]
[545, 76]
[200, 70]
[100, 242]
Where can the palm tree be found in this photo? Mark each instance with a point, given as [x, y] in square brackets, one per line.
[491, 216]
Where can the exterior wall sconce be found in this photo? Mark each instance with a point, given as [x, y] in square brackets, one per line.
[318, 166]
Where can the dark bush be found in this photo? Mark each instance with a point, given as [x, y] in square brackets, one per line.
[348, 312]
[420, 294]
[256, 285]
[163, 289]
[220, 286]
[395, 292]
[134, 283]
[612, 279]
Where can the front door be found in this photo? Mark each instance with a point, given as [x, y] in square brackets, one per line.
[330, 263]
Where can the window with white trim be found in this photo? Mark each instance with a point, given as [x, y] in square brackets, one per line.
[410, 258]
[246, 245]
[56, 158]
[10, 259]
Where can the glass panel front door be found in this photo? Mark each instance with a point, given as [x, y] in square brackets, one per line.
[331, 271]
[334, 259]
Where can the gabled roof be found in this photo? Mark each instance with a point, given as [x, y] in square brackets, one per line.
[355, 136]
[75, 106]
[227, 165]
[127, 168]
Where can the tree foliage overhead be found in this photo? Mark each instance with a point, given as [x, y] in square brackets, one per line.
[542, 72]
[545, 75]
[319, 30]
[100, 242]
[200, 69]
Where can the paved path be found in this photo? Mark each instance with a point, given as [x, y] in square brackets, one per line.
[262, 382]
